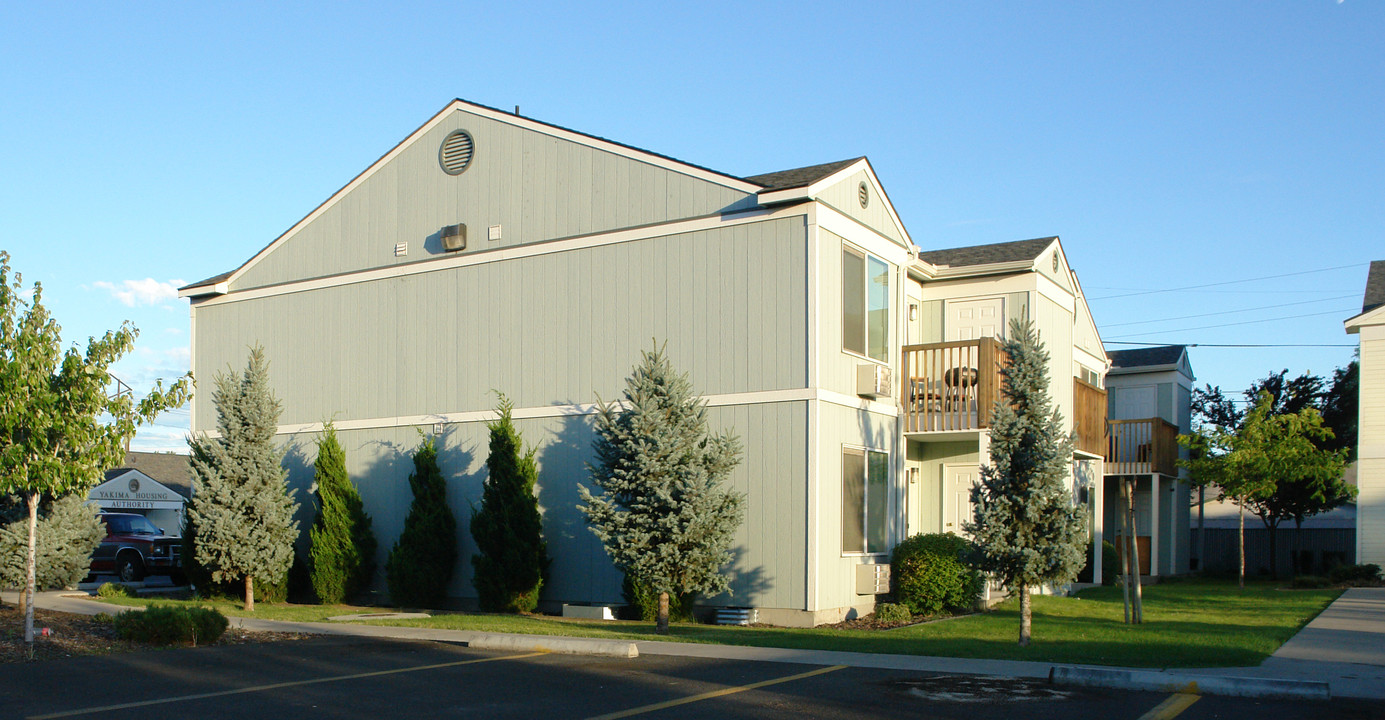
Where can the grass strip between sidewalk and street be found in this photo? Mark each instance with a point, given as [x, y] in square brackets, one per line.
[1188, 623]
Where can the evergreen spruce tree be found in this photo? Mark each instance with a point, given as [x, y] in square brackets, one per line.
[241, 507]
[512, 561]
[421, 563]
[1027, 529]
[343, 547]
[663, 515]
[68, 532]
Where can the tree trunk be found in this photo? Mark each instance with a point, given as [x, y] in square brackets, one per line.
[1274, 551]
[1298, 547]
[250, 593]
[1201, 530]
[28, 593]
[662, 627]
[1139, 614]
[1241, 544]
[1125, 551]
[1026, 611]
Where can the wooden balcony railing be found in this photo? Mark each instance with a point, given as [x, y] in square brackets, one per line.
[1089, 416]
[950, 386]
[1136, 447]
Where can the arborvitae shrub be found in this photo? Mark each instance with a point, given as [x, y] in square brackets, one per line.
[343, 546]
[420, 565]
[513, 557]
[171, 624]
[892, 614]
[929, 574]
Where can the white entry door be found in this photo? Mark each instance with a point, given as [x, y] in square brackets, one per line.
[957, 482]
[972, 319]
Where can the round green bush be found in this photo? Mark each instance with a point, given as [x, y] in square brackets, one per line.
[171, 624]
[929, 574]
[1366, 574]
[111, 590]
[892, 614]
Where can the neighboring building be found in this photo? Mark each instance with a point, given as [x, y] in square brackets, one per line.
[959, 303]
[1150, 404]
[156, 485]
[489, 251]
[1370, 454]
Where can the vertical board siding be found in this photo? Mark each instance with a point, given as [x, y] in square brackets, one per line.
[561, 328]
[1370, 471]
[535, 186]
[839, 425]
[767, 569]
[843, 197]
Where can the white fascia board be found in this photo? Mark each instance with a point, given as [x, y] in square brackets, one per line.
[845, 226]
[948, 272]
[1374, 317]
[808, 192]
[1086, 311]
[1055, 292]
[1082, 354]
[513, 252]
[510, 119]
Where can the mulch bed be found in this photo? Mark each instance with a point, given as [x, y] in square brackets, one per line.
[74, 635]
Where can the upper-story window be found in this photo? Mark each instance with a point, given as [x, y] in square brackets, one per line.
[865, 304]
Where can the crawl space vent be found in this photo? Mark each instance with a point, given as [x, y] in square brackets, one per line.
[456, 152]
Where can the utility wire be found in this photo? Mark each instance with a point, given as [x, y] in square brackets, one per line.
[1228, 312]
[1226, 282]
[1225, 345]
[1248, 322]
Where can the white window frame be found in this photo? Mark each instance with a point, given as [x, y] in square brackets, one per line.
[865, 500]
[866, 256]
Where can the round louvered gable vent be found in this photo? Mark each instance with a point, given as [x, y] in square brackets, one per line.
[456, 152]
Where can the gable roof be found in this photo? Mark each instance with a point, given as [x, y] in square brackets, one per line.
[1016, 251]
[1375, 287]
[799, 177]
[170, 470]
[1146, 357]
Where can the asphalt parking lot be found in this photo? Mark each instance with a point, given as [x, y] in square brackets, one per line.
[345, 677]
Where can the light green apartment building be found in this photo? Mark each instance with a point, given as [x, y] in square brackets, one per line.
[490, 251]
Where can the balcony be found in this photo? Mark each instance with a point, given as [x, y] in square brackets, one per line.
[1142, 447]
[950, 386]
[1089, 416]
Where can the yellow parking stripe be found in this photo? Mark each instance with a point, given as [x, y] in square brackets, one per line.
[714, 694]
[276, 686]
[1171, 707]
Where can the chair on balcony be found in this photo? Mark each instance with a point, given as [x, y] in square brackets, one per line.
[925, 394]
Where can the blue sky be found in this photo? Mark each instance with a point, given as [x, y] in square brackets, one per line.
[1170, 144]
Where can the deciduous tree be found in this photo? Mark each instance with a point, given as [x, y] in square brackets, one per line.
[59, 430]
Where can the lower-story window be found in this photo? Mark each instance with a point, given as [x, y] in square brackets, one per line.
[865, 495]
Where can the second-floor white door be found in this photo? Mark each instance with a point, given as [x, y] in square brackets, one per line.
[972, 319]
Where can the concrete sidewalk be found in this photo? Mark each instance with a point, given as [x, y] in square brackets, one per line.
[1344, 647]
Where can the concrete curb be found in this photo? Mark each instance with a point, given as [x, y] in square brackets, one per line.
[566, 646]
[1195, 684]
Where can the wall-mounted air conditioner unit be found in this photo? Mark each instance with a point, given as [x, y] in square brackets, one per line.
[873, 381]
[454, 237]
[872, 579]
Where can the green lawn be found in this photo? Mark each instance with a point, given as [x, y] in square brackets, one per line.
[1195, 623]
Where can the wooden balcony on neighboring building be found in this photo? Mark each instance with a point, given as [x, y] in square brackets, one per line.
[1142, 447]
[1089, 416]
[950, 386]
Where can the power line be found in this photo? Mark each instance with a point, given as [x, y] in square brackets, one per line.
[1226, 282]
[1228, 312]
[1250, 322]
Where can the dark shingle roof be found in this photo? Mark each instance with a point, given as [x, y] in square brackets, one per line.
[173, 471]
[798, 177]
[1375, 287]
[209, 281]
[1145, 357]
[987, 254]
